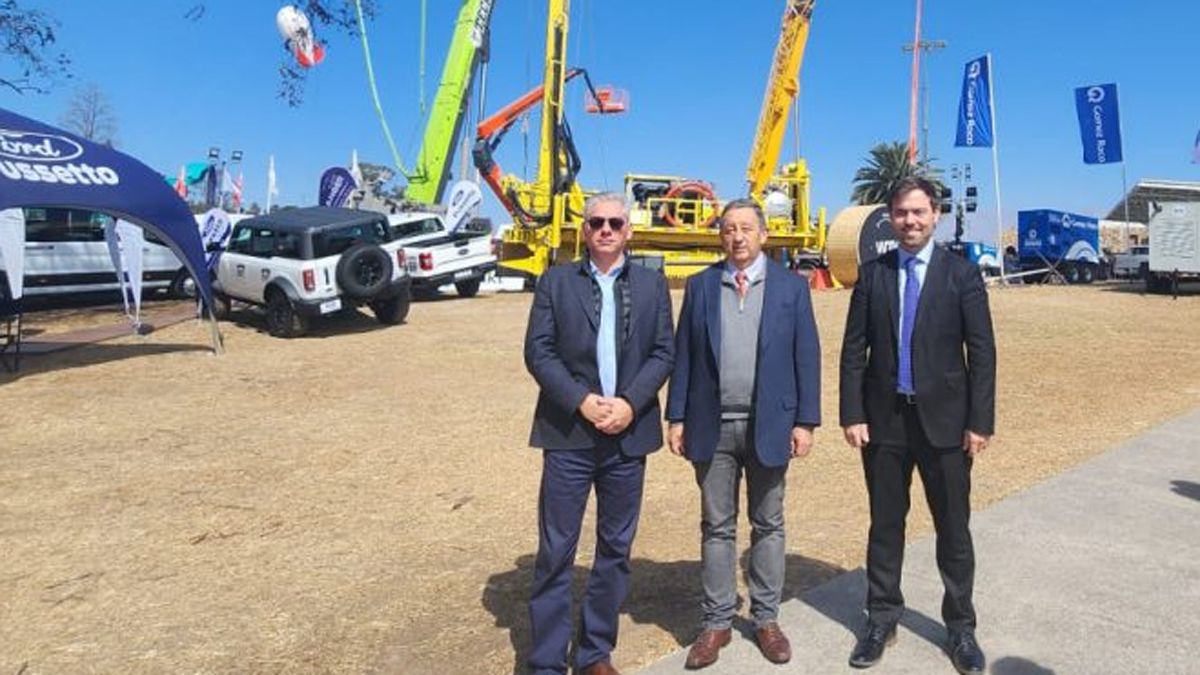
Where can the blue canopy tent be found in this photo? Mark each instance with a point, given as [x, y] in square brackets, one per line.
[41, 166]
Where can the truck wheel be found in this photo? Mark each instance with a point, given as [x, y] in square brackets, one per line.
[467, 288]
[1087, 273]
[282, 319]
[182, 285]
[364, 270]
[393, 310]
[1070, 272]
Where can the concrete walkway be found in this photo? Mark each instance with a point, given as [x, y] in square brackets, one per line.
[1095, 571]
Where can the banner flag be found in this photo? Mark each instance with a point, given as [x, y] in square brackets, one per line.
[1099, 123]
[975, 106]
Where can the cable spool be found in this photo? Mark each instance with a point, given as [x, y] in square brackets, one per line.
[695, 192]
[858, 235]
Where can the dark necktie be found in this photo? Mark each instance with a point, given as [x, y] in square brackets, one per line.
[912, 295]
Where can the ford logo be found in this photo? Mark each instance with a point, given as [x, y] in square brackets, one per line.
[35, 147]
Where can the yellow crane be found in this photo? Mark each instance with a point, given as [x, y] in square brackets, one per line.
[672, 217]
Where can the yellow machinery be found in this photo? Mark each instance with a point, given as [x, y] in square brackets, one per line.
[673, 218]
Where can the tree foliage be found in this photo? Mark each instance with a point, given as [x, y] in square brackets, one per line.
[887, 165]
[90, 115]
[27, 42]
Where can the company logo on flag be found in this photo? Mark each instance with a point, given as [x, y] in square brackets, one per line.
[335, 187]
[1099, 123]
[975, 106]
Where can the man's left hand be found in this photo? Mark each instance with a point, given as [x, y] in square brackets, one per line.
[618, 419]
[802, 441]
[974, 443]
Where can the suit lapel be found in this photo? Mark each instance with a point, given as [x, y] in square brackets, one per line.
[772, 307]
[931, 290]
[712, 308]
[582, 286]
[891, 290]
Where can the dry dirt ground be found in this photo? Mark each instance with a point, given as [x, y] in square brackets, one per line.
[364, 501]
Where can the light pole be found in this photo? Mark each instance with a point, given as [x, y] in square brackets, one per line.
[925, 46]
[966, 202]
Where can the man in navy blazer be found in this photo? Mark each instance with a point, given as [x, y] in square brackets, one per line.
[744, 397]
[599, 345]
[918, 390]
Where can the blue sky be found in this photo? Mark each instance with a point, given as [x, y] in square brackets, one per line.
[695, 73]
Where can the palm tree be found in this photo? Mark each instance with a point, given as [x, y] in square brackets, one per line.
[885, 167]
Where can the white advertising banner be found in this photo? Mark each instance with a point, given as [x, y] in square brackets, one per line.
[12, 249]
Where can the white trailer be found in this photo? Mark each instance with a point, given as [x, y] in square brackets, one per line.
[1174, 245]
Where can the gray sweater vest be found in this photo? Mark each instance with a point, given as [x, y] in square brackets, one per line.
[739, 347]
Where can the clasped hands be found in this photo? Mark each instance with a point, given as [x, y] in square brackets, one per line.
[609, 414]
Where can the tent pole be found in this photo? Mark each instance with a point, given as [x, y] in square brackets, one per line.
[218, 346]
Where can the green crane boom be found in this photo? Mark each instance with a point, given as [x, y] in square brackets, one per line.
[467, 48]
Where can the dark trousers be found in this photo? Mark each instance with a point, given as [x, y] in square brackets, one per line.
[946, 475]
[567, 478]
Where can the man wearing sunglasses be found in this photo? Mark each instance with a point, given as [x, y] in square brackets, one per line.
[744, 398]
[599, 345]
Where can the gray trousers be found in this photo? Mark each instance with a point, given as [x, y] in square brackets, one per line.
[719, 481]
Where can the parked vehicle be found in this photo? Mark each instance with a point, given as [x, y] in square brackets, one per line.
[1056, 240]
[1131, 263]
[65, 252]
[437, 257]
[984, 255]
[306, 263]
[1174, 246]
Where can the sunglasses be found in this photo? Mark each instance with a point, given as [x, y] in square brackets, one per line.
[614, 224]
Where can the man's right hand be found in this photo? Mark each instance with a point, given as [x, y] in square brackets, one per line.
[675, 438]
[857, 435]
[594, 409]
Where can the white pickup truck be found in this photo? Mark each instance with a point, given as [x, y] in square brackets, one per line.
[437, 257]
[1131, 264]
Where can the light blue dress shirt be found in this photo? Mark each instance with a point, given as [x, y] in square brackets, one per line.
[606, 334]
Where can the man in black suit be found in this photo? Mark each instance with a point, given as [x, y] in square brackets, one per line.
[600, 346]
[910, 397]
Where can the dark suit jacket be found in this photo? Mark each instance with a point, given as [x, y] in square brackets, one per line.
[560, 353]
[787, 379]
[954, 392]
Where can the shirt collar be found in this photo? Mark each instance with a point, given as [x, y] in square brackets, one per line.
[613, 272]
[754, 271]
[923, 255]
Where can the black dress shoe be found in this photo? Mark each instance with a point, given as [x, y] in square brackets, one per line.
[871, 644]
[966, 655]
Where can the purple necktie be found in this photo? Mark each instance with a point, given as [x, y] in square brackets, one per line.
[912, 295]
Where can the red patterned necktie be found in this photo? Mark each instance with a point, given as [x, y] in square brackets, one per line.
[743, 284]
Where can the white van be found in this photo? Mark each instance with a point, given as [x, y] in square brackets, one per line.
[65, 252]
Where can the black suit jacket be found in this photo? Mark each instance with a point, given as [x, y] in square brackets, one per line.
[560, 353]
[954, 352]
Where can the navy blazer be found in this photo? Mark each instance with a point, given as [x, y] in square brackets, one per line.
[955, 390]
[787, 379]
[560, 353]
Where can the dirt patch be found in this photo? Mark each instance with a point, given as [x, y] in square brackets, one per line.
[364, 500]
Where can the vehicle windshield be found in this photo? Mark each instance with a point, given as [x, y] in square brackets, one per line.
[335, 241]
[415, 227]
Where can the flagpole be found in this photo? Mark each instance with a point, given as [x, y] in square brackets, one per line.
[270, 181]
[1124, 182]
[996, 167]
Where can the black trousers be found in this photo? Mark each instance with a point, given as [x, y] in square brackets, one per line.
[946, 475]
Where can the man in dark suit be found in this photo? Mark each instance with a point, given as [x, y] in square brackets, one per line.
[599, 344]
[744, 397]
[910, 397]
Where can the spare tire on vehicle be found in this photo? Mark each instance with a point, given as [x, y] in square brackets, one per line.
[364, 271]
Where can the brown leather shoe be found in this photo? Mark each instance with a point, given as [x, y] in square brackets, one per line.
[600, 668]
[773, 643]
[707, 648]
